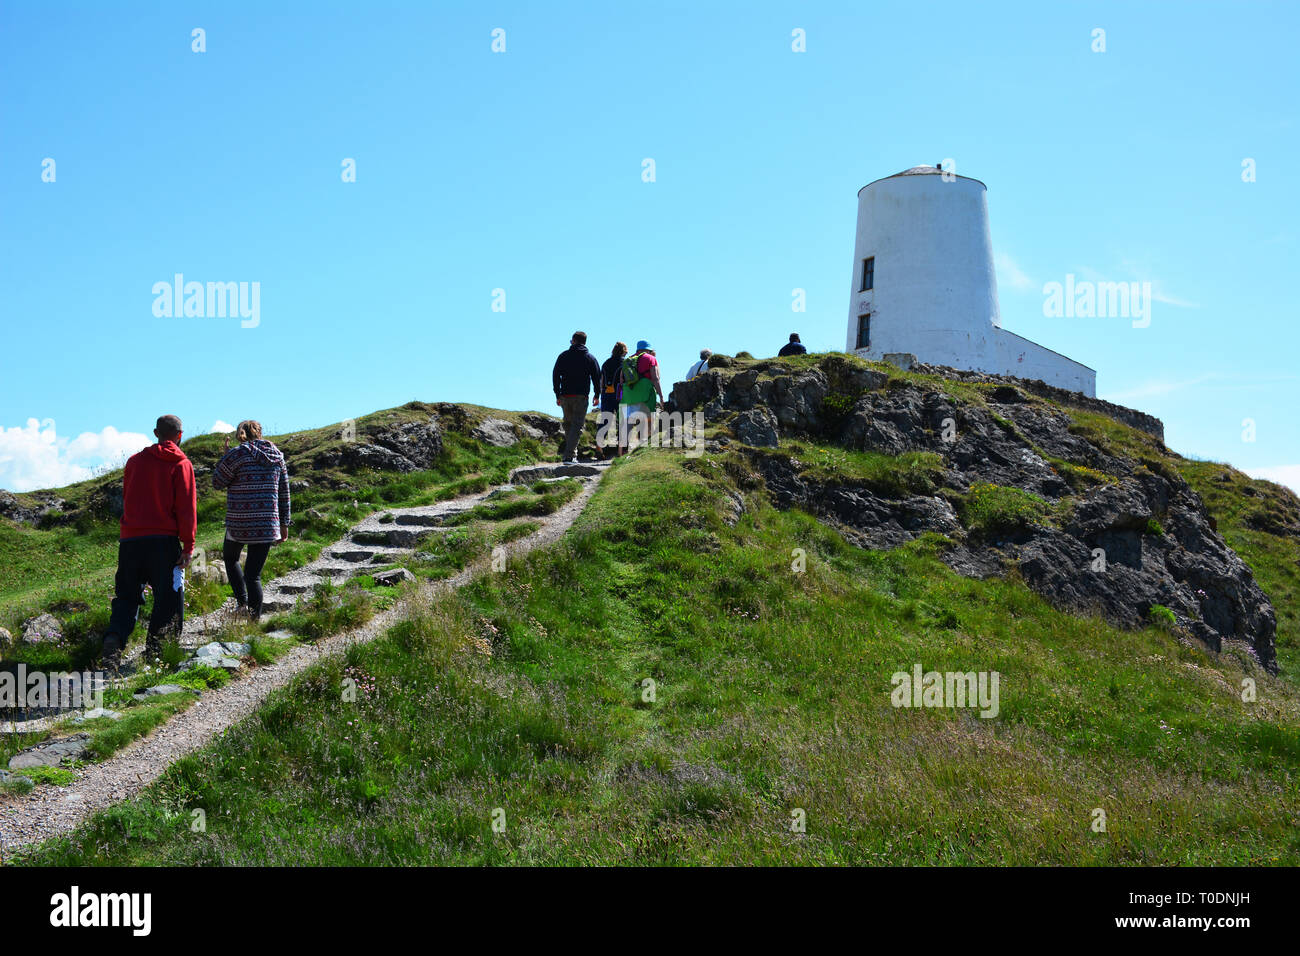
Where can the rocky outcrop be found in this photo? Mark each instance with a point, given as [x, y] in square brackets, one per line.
[42, 506]
[864, 517]
[1114, 536]
[1061, 396]
[404, 447]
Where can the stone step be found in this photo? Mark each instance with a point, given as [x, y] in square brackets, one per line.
[403, 538]
[288, 588]
[528, 474]
[334, 571]
[429, 520]
[345, 553]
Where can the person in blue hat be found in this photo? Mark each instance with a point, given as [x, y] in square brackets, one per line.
[640, 387]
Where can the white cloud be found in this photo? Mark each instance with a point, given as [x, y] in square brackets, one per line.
[220, 426]
[34, 456]
[1158, 387]
[1163, 297]
[1288, 475]
[1010, 275]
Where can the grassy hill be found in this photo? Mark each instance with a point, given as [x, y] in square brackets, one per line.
[696, 676]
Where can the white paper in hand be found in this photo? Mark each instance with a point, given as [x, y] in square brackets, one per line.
[178, 579]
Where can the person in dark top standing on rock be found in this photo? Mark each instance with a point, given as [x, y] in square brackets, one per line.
[793, 347]
[574, 369]
[611, 390]
[159, 521]
[256, 480]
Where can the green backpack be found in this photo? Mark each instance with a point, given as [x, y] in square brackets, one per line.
[630, 375]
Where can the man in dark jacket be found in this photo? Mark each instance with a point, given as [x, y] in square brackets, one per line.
[159, 521]
[793, 347]
[575, 369]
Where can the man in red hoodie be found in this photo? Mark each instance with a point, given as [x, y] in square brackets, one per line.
[159, 520]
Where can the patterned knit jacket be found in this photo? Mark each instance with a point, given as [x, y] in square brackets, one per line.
[256, 480]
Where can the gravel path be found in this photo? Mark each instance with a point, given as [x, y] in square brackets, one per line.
[49, 811]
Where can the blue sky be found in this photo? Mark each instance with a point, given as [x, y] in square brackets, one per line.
[522, 171]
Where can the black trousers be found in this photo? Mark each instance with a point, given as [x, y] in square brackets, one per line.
[247, 584]
[150, 560]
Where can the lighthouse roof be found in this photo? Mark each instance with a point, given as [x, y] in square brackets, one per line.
[921, 171]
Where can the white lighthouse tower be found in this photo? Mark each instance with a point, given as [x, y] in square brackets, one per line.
[923, 282]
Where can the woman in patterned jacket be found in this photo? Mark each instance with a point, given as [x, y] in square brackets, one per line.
[256, 480]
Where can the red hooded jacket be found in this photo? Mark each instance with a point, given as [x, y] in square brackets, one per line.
[158, 494]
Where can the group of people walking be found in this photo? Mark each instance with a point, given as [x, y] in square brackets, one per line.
[160, 498]
[626, 390]
[160, 521]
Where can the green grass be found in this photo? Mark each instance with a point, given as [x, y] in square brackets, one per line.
[55, 776]
[893, 476]
[328, 610]
[525, 694]
[989, 510]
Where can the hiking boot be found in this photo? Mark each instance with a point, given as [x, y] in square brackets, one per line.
[111, 656]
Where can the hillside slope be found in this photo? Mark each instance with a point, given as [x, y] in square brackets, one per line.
[671, 685]
[706, 668]
[1090, 511]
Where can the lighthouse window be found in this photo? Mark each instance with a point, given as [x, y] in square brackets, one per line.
[868, 273]
[864, 331]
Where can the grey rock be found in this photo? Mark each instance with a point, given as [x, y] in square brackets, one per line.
[756, 427]
[42, 629]
[13, 779]
[106, 500]
[498, 432]
[393, 576]
[6, 639]
[51, 753]
[219, 663]
[224, 654]
[405, 537]
[159, 690]
[95, 713]
[541, 426]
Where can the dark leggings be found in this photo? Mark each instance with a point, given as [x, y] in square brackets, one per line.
[247, 585]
